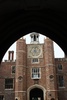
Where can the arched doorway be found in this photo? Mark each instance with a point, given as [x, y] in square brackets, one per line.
[35, 88]
[36, 94]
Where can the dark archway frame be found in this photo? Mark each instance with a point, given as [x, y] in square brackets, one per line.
[16, 23]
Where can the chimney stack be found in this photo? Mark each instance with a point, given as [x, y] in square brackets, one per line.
[10, 55]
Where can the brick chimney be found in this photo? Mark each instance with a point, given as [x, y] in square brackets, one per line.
[10, 55]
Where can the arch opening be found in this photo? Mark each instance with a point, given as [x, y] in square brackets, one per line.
[18, 23]
[27, 38]
[36, 94]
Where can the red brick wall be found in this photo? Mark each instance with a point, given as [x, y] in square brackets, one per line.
[6, 72]
[48, 65]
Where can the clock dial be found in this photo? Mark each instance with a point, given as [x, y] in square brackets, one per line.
[35, 51]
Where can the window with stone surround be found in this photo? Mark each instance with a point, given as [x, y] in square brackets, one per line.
[35, 60]
[61, 81]
[8, 83]
[36, 73]
[59, 66]
[13, 69]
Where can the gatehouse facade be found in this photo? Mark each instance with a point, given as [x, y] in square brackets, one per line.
[35, 74]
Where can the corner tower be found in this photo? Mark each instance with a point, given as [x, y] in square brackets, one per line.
[50, 70]
[20, 75]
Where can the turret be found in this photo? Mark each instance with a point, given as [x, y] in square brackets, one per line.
[34, 38]
[50, 70]
[20, 68]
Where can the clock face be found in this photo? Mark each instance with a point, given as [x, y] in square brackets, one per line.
[34, 51]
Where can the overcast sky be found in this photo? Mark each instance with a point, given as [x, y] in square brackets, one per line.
[58, 52]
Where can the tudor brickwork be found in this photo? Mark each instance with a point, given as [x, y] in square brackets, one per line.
[23, 83]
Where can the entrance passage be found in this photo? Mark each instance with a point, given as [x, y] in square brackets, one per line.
[1, 97]
[36, 94]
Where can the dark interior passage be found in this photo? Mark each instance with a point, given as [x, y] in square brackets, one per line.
[36, 94]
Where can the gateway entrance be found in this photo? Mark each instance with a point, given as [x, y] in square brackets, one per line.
[36, 94]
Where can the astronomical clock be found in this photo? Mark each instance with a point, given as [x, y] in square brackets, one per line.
[34, 51]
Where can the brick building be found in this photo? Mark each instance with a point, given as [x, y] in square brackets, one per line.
[35, 74]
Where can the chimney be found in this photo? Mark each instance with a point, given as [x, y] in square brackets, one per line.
[10, 55]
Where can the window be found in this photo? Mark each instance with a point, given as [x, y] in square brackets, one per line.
[61, 81]
[36, 73]
[13, 69]
[1, 97]
[35, 60]
[59, 67]
[9, 83]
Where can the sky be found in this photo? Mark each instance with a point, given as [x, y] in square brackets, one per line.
[58, 52]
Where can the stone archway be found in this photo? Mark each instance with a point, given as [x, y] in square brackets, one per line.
[36, 94]
[40, 92]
